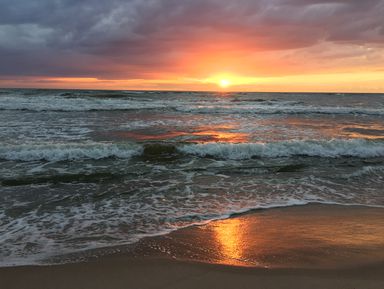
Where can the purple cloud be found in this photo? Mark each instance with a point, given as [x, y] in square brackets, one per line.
[129, 39]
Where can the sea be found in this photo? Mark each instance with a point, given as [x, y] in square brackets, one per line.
[84, 170]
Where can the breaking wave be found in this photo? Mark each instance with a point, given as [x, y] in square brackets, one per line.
[67, 104]
[64, 152]
[329, 149]
[336, 148]
[281, 109]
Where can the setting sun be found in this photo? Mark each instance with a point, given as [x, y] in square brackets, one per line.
[224, 83]
[230, 81]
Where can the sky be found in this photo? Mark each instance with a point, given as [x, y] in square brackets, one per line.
[243, 45]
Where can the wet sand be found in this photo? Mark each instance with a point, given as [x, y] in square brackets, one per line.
[312, 236]
[118, 272]
[313, 246]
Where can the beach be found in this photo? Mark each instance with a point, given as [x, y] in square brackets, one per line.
[155, 189]
[346, 257]
[192, 144]
[118, 273]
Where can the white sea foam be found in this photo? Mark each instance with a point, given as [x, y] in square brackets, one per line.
[60, 103]
[70, 151]
[329, 149]
[280, 108]
[92, 150]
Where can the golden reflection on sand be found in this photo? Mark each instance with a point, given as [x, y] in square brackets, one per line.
[318, 236]
[229, 238]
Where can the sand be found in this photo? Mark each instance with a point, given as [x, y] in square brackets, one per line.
[111, 273]
[302, 247]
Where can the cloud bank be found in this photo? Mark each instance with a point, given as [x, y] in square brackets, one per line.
[126, 39]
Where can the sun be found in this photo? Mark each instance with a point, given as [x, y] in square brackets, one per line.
[228, 81]
[224, 83]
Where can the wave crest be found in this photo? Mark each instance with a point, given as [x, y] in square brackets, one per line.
[68, 103]
[234, 151]
[64, 152]
[329, 149]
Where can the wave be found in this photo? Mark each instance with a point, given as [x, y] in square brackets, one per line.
[367, 170]
[77, 103]
[63, 152]
[73, 103]
[281, 109]
[233, 151]
[329, 149]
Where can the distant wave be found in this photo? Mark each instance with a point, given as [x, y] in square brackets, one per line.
[67, 104]
[281, 109]
[330, 149]
[63, 152]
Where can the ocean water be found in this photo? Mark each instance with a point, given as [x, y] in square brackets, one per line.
[84, 170]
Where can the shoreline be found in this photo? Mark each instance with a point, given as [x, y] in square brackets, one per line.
[220, 255]
[143, 247]
[314, 236]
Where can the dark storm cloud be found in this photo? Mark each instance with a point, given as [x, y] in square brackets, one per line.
[119, 38]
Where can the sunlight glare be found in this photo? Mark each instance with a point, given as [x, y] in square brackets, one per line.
[224, 83]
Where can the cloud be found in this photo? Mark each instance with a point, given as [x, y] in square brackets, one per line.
[137, 39]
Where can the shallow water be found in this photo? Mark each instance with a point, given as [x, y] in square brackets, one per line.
[89, 169]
